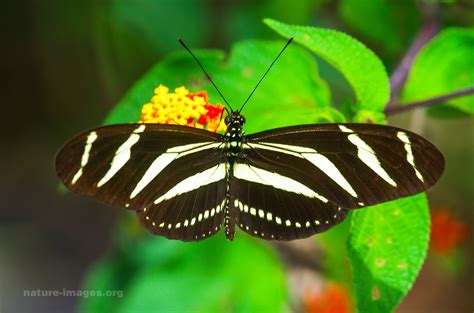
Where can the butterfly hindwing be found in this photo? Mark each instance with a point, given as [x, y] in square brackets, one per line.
[271, 207]
[188, 213]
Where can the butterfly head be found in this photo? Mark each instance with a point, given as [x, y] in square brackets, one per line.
[234, 119]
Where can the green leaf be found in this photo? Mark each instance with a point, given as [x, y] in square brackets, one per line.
[292, 89]
[292, 93]
[387, 246]
[444, 65]
[359, 65]
[159, 275]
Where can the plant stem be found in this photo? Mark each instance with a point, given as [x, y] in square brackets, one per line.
[428, 30]
[397, 108]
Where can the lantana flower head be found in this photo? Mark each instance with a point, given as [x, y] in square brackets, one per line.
[332, 298]
[448, 232]
[182, 107]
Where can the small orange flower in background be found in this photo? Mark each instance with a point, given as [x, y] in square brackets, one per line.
[333, 298]
[182, 107]
[447, 231]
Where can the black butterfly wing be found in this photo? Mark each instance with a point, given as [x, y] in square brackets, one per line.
[267, 195]
[347, 166]
[169, 174]
[193, 209]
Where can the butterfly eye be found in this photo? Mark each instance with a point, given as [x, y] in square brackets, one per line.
[242, 120]
[227, 120]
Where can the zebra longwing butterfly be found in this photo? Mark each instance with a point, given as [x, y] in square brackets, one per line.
[281, 184]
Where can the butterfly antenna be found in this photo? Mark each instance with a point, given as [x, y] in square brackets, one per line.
[220, 119]
[268, 70]
[202, 68]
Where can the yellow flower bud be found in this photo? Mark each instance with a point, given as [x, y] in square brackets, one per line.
[181, 91]
[160, 90]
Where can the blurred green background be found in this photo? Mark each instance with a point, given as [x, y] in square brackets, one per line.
[65, 64]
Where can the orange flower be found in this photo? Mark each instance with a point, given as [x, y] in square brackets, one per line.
[447, 231]
[183, 108]
[333, 298]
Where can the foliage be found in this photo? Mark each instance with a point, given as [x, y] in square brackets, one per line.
[303, 95]
[386, 244]
[360, 66]
[444, 65]
[158, 275]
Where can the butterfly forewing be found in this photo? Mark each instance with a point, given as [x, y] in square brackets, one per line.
[147, 167]
[352, 165]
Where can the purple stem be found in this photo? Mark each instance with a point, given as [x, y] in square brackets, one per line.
[428, 30]
[397, 108]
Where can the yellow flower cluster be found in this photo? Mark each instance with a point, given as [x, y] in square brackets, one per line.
[182, 107]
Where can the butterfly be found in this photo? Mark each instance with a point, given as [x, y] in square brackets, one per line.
[281, 184]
